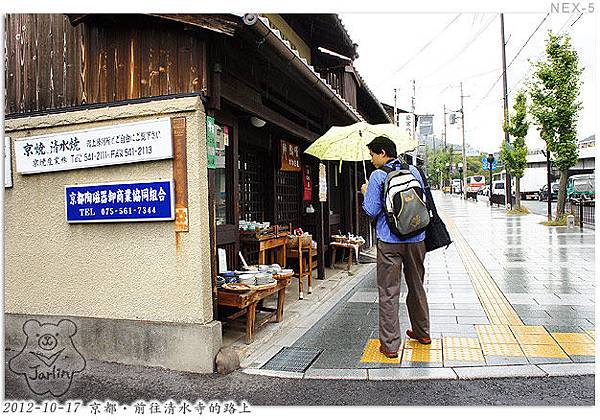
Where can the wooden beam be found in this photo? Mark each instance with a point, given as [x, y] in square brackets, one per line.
[250, 101]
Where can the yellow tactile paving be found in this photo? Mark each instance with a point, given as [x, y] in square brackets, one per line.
[579, 349]
[497, 308]
[493, 329]
[497, 338]
[572, 338]
[463, 342]
[436, 344]
[592, 333]
[420, 355]
[536, 350]
[371, 354]
[536, 339]
[528, 330]
[463, 354]
[501, 349]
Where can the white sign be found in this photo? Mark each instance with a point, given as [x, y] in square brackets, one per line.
[406, 120]
[7, 163]
[111, 145]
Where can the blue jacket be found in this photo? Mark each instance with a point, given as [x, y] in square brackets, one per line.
[373, 205]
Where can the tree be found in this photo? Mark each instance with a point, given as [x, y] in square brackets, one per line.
[554, 91]
[514, 154]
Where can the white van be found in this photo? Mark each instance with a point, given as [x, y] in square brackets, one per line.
[456, 186]
[499, 188]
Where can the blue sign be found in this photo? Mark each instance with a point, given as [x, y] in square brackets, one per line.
[485, 165]
[141, 201]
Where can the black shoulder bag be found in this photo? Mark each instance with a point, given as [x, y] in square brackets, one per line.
[436, 234]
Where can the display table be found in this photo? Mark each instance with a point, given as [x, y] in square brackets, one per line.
[251, 301]
[277, 244]
[351, 247]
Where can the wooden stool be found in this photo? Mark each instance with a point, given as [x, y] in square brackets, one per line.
[305, 267]
[334, 246]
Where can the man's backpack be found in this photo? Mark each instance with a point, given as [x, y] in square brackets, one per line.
[404, 202]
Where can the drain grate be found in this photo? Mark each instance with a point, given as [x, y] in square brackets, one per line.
[293, 359]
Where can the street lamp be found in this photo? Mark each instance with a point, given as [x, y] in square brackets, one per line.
[460, 171]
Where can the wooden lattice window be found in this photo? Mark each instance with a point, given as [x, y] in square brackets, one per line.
[287, 188]
[252, 186]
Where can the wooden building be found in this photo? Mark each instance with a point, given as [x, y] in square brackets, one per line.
[266, 81]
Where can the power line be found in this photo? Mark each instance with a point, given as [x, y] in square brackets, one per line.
[560, 31]
[423, 48]
[464, 48]
[512, 61]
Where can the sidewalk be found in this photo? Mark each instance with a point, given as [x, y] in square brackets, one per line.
[510, 297]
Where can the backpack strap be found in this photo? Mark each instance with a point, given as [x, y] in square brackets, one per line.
[429, 202]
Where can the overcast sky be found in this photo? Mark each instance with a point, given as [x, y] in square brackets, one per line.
[468, 50]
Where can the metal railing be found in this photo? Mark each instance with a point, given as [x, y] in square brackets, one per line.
[583, 210]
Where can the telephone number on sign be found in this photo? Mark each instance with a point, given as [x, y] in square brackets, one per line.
[125, 211]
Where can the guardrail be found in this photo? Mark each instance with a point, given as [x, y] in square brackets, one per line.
[583, 210]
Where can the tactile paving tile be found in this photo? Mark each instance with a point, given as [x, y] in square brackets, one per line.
[535, 350]
[493, 329]
[436, 344]
[536, 339]
[497, 338]
[579, 349]
[292, 359]
[528, 330]
[464, 354]
[572, 338]
[420, 355]
[501, 349]
[371, 354]
[463, 342]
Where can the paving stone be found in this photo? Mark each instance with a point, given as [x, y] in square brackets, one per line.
[473, 320]
[336, 374]
[569, 369]
[411, 374]
[275, 373]
[505, 360]
[546, 360]
[582, 359]
[498, 371]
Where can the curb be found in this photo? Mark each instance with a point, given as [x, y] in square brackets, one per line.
[444, 373]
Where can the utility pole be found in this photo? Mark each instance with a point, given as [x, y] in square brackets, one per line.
[414, 128]
[464, 151]
[505, 87]
[445, 145]
[395, 108]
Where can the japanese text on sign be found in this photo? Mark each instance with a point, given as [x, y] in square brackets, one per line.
[117, 202]
[290, 157]
[111, 145]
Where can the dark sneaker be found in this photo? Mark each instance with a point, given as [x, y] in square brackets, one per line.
[391, 355]
[422, 340]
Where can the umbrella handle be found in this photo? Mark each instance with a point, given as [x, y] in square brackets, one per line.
[365, 170]
[362, 152]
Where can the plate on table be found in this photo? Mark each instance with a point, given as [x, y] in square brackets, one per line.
[236, 287]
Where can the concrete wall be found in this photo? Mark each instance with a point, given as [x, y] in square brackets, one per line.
[111, 271]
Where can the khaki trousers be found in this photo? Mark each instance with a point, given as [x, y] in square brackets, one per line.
[391, 260]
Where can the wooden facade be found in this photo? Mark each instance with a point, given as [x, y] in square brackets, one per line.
[51, 64]
[58, 62]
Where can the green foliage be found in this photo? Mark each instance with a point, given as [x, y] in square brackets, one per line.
[515, 154]
[554, 91]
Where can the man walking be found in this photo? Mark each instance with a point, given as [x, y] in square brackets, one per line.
[393, 256]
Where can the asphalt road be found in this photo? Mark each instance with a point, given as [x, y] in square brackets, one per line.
[125, 384]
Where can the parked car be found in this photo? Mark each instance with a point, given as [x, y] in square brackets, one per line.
[581, 187]
[544, 192]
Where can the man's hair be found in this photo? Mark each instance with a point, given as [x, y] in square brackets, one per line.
[379, 144]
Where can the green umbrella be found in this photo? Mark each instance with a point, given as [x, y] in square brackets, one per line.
[349, 143]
